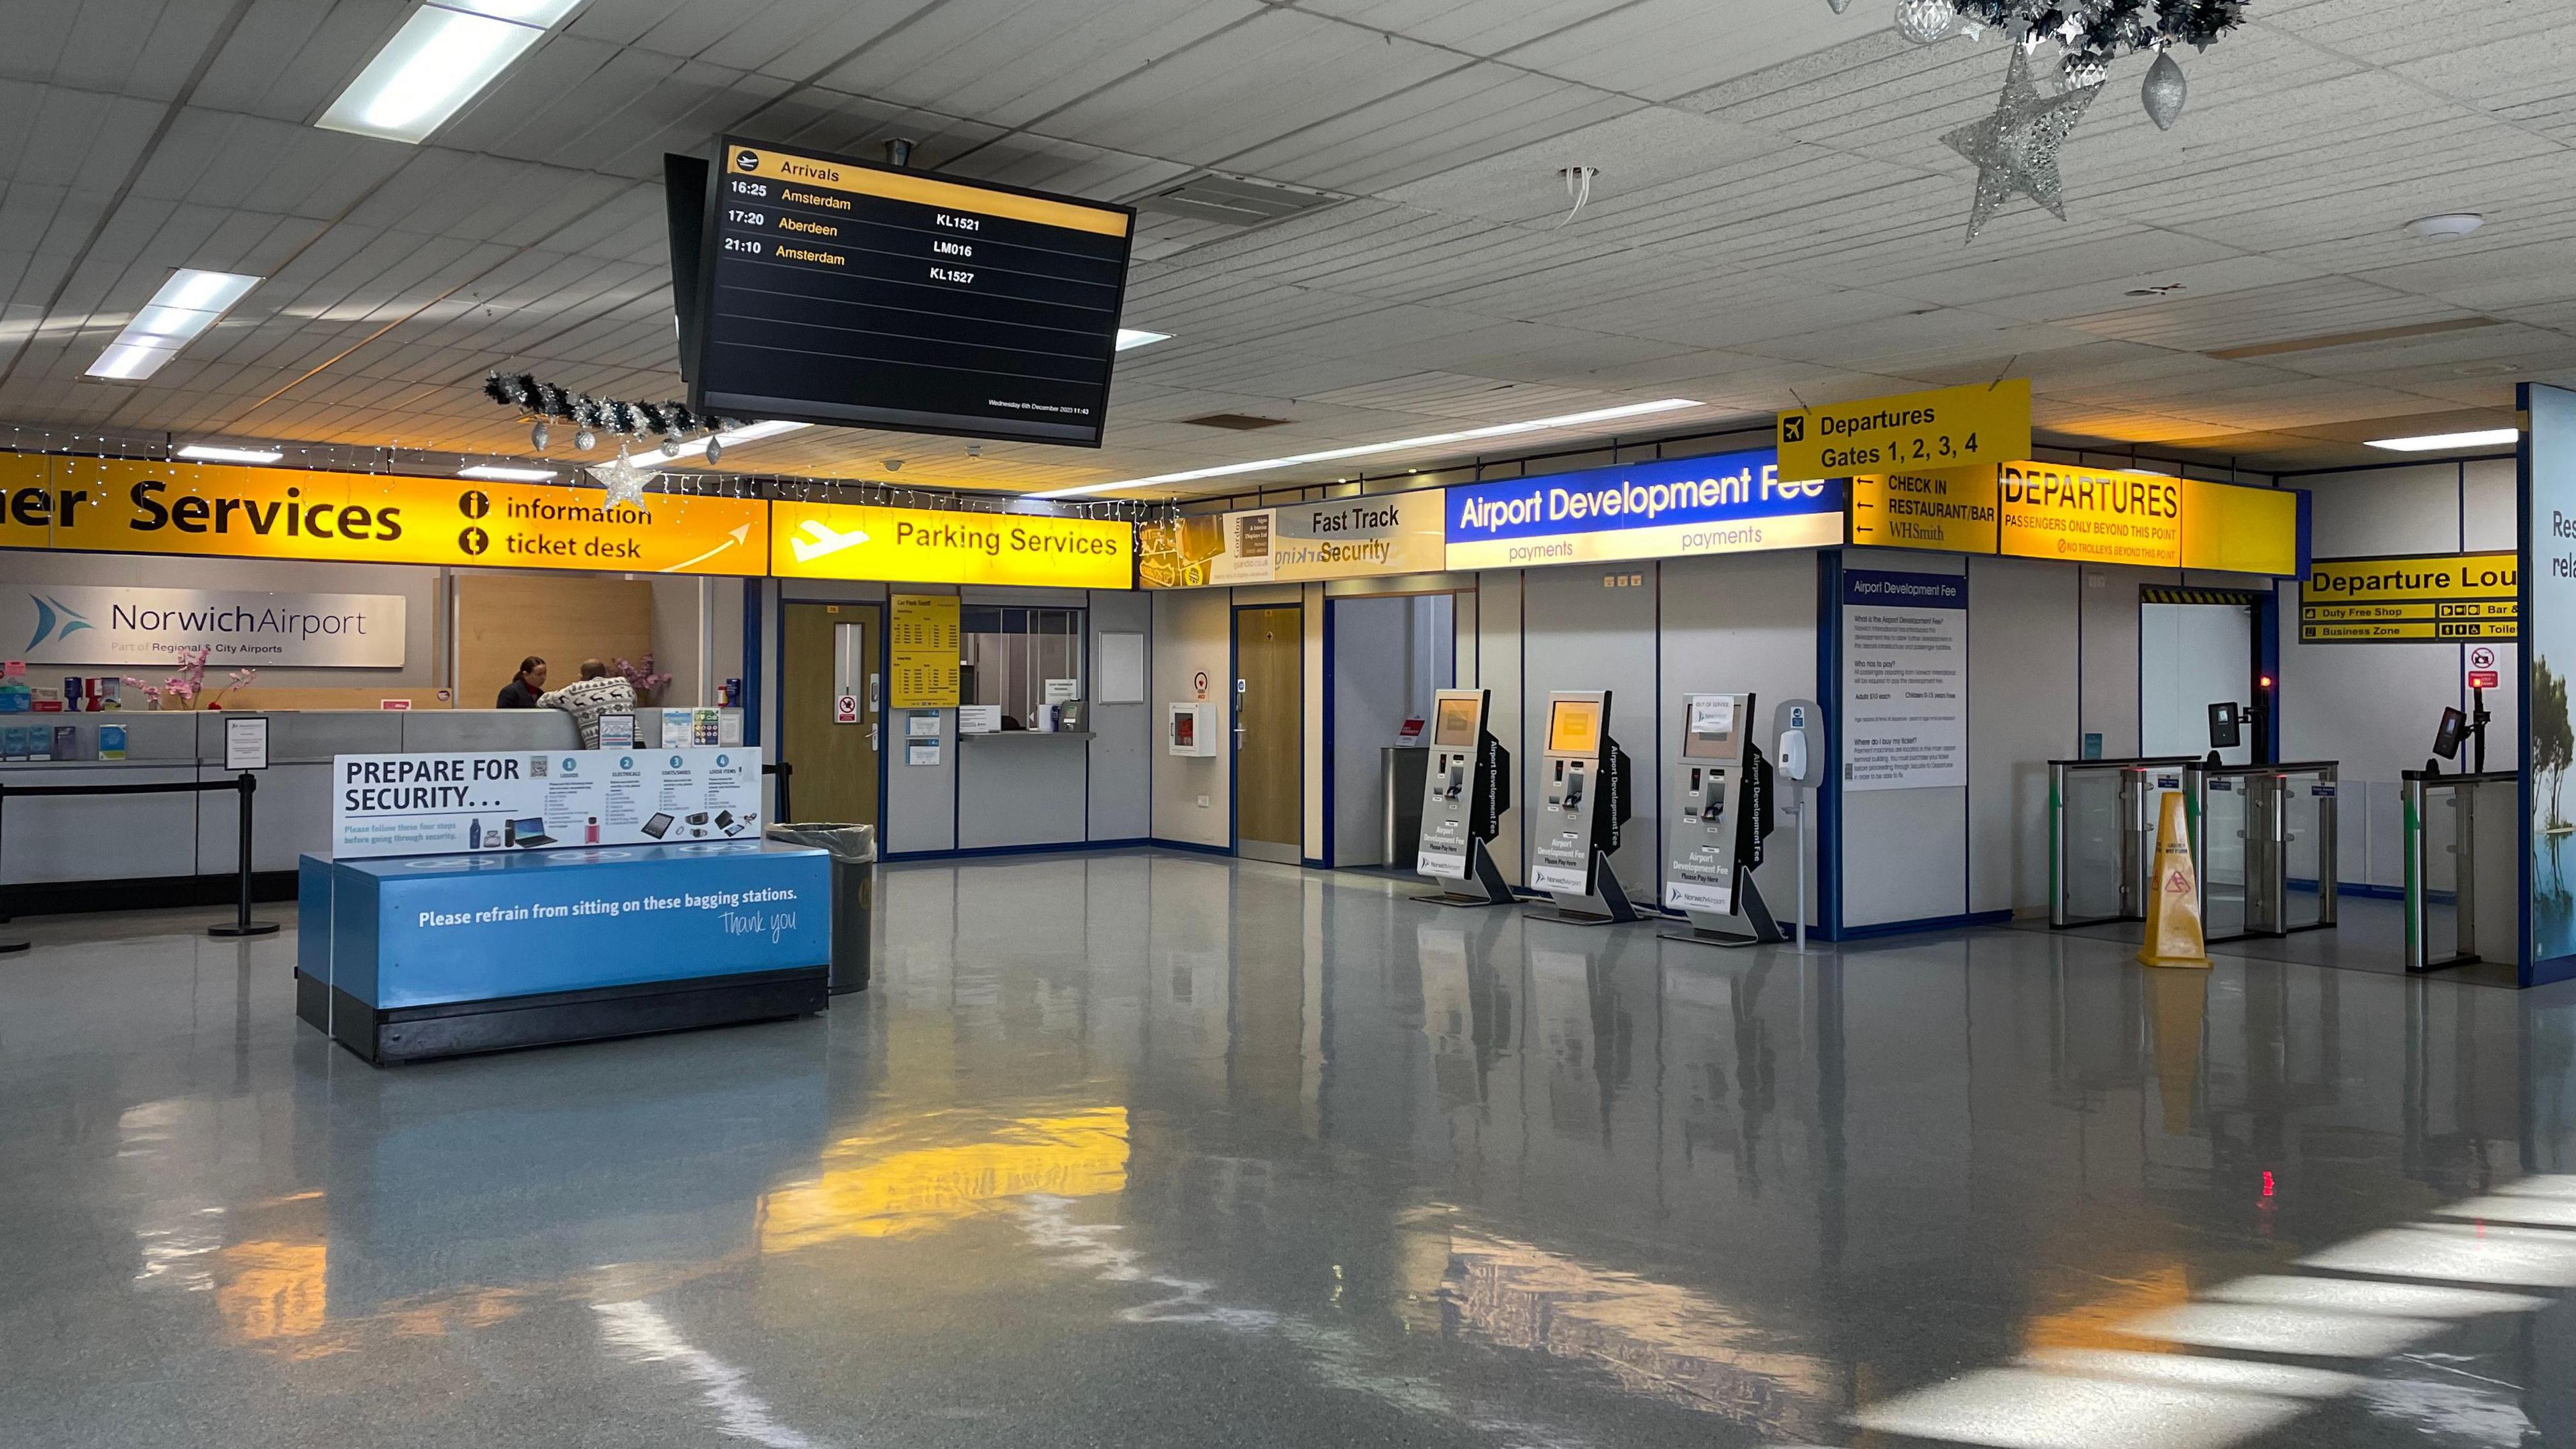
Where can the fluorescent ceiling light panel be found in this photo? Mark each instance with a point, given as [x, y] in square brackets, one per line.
[443, 56]
[2441, 442]
[748, 433]
[209, 453]
[491, 474]
[1428, 440]
[187, 304]
[1138, 337]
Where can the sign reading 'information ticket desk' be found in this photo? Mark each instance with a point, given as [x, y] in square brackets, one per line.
[214, 511]
[1676, 508]
[487, 802]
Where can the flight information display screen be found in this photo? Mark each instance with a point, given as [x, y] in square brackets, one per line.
[842, 292]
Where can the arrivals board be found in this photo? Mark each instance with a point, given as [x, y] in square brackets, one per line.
[842, 292]
[2411, 598]
[110, 505]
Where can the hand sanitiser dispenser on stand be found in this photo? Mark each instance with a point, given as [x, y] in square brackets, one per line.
[1464, 794]
[1585, 782]
[1721, 817]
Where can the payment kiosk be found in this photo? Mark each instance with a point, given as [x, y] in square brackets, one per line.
[1723, 816]
[1464, 794]
[1585, 778]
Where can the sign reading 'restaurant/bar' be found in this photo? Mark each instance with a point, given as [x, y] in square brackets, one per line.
[1672, 508]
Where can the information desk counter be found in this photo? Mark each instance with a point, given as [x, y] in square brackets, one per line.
[413, 957]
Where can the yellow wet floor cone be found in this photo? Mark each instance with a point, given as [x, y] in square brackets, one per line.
[2173, 912]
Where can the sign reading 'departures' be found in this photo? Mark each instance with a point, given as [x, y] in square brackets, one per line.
[937, 546]
[2090, 515]
[1948, 427]
[437, 804]
[97, 624]
[1675, 508]
[2399, 598]
[1333, 538]
[219, 511]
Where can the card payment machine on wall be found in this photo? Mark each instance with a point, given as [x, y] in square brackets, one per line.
[1584, 783]
[1464, 794]
[1719, 823]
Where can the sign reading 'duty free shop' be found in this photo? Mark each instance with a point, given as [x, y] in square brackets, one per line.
[2398, 598]
[1674, 508]
[110, 505]
[923, 545]
[104, 624]
[442, 803]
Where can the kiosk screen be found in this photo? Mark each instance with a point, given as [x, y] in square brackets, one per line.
[1574, 727]
[1712, 732]
[1456, 727]
[2446, 737]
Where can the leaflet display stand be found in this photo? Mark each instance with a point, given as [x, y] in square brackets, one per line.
[1586, 777]
[1464, 795]
[1723, 785]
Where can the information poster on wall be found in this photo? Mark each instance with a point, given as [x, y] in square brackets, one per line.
[2549, 655]
[922, 640]
[1905, 680]
[439, 804]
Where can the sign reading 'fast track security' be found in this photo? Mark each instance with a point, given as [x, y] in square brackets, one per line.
[1950, 427]
[119, 506]
[1674, 508]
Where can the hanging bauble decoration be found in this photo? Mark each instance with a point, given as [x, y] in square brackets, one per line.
[2081, 72]
[2164, 91]
[1925, 21]
[1839, 6]
[585, 440]
[538, 436]
[715, 449]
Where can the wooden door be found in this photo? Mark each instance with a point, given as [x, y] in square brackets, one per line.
[829, 653]
[1269, 733]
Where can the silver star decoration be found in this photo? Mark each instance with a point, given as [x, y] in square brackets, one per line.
[2016, 148]
[623, 480]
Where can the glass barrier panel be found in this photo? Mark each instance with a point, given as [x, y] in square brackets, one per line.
[2094, 824]
[2302, 831]
[2222, 868]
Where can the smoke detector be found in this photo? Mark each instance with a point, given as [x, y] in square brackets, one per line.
[2449, 226]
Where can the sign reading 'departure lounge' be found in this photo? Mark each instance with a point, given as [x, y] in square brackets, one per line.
[2398, 598]
[110, 505]
[1673, 508]
[93, 624]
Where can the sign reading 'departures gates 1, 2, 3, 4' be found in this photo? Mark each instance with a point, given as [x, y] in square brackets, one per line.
[436, 804]
[1673, 508]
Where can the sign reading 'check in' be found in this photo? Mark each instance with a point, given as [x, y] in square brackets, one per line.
[1949, 427]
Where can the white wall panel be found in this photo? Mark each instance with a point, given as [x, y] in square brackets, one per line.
[1581, 634]
[1744, 624]
[2022, 713]
[1192, 634]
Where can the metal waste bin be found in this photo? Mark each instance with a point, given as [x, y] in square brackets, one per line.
[853, 849]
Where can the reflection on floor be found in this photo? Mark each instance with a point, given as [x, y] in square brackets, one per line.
[1167, 1150]
[2369, 934]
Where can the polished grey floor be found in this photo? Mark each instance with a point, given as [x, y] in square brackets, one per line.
[1154, 1150]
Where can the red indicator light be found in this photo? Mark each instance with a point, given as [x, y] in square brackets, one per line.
[2267, 1182]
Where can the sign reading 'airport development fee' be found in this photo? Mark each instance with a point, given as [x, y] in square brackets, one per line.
[1950, 427]
[2411, 598]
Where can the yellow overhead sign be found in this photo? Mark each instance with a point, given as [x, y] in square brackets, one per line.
[1949, 427]
[931, 546]
[210, 510]
[1953, 510]
[2241, 530]
[2090, 515]
[2402, 598]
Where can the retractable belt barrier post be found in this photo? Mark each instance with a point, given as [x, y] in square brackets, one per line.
[246, 783]
[780, 768]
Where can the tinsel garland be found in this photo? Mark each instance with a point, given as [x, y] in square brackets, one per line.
[538, 399]
[2101, 31]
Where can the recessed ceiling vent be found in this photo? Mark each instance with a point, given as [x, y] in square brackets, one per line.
[1234, 201]
[1233, 422]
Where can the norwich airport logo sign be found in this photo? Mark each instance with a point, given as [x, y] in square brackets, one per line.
[55, 620]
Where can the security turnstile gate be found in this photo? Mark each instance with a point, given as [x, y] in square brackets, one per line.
[2463, 867]
[2263, 844]
[2102, 836]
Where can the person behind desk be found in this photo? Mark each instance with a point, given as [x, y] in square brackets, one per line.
[525, 686]
[596, 693]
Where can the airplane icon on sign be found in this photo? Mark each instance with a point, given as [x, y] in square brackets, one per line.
[824, 541]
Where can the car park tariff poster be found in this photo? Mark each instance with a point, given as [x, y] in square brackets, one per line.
[1905, 680]
[438, 804]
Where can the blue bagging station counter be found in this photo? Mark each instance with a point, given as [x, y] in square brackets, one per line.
[412, 957]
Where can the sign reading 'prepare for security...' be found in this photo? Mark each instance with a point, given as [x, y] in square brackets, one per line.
[96, 624]
[1949, 427]
[2411, 598]
[483, 802]
[1675, 508]
[108, 505]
